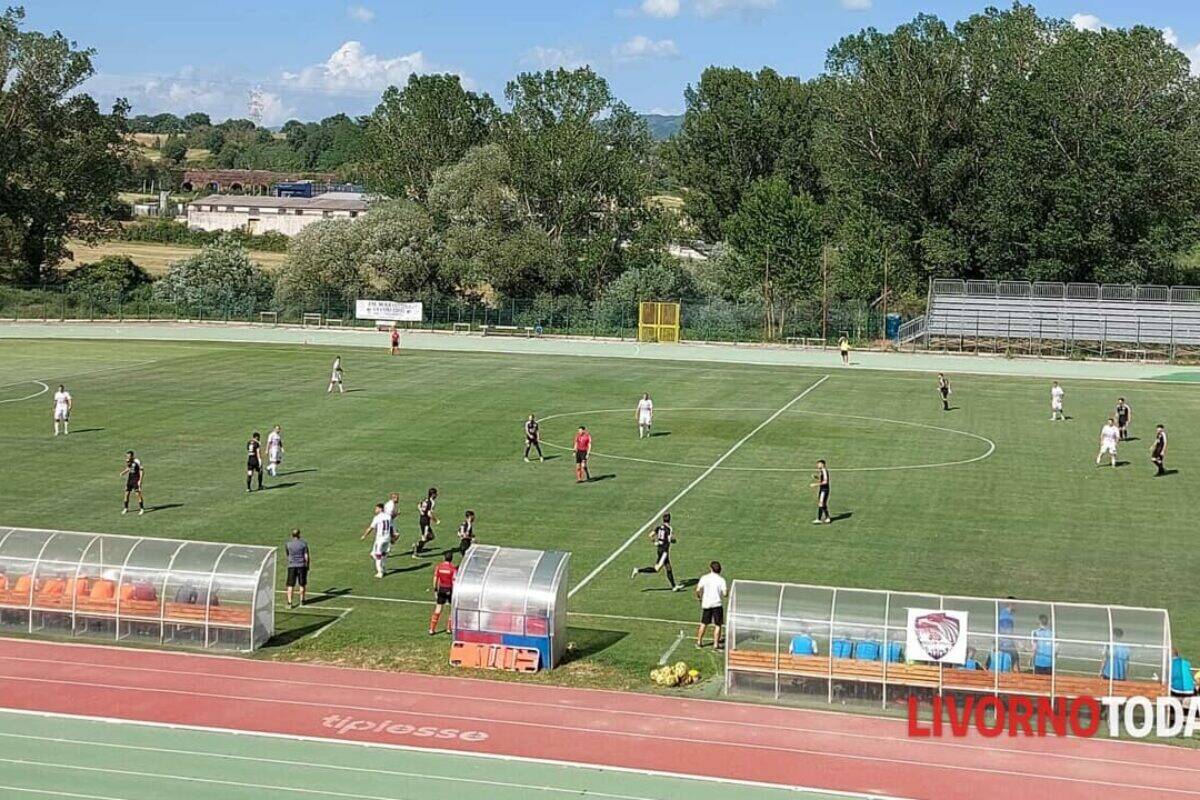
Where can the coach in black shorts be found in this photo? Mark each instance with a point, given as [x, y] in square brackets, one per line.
[297, 565]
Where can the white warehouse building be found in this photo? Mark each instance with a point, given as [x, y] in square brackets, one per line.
[286, 215]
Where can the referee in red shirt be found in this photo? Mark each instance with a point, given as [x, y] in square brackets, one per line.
[443, 584]
[583, 449]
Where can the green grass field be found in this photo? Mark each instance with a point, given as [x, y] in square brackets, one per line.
[1035, 518]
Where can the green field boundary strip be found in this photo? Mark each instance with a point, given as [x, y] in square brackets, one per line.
[54, 756]
[763, 355]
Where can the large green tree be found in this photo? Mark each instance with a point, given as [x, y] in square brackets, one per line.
[740, 127]
[580, 165]
[60, 155]
[428, 124]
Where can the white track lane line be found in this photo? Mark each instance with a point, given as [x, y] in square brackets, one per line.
[711, 469]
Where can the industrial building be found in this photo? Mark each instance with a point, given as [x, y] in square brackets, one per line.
[257, 215]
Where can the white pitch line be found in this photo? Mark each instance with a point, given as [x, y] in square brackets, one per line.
[315, 634]
[711, 469]
[45, 389]
[665, 657]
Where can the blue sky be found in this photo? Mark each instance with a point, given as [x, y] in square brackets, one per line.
[311, 58]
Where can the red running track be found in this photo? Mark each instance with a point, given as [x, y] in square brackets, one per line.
[817, 749]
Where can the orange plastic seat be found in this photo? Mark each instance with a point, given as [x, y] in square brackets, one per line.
[24, 584]
[54, 587]
[102, 590]
[126, 591]
[77, 587]
[3, 582]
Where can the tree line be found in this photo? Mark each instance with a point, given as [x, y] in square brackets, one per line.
[1007, 145]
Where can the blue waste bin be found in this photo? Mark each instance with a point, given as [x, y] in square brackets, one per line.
[892, 326]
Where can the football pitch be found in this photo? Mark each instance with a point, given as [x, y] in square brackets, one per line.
[989, 499]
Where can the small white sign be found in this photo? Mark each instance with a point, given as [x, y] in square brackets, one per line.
[388, 310]
[936, 635]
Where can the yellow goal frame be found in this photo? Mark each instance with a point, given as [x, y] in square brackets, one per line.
[658, 321]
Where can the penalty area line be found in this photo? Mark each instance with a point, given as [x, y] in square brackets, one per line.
[709, 471]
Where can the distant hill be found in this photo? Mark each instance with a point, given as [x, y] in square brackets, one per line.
[663, 126]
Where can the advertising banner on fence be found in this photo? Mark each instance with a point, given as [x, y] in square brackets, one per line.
[939, 636]
[389, 311]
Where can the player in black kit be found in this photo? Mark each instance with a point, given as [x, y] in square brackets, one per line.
[663, 537]
[426, 519]
[821, 483]
[254, 460]
[466, 533]
[1158, 453]
[944, 391]
[133, 475]
[1124, 415]
[532, 438]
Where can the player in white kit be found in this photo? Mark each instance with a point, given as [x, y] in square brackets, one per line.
[274, 450]
[1056, 402]
[335, 379]
[381, 545]
[645, 416]
[1109, 435]
[62, 409]
[392, 508]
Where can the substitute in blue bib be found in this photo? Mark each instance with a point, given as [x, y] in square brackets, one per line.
[1116, 658]
[1043, 646]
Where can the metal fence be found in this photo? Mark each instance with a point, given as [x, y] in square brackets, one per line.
[703, 320]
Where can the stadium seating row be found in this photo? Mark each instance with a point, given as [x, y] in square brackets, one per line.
[100, 597]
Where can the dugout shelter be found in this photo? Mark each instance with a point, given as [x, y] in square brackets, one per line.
[508, 604]
[136, 589]
[830, 644]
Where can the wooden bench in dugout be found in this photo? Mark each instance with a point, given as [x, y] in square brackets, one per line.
[926, 675]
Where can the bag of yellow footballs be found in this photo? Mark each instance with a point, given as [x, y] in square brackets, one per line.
[676, 674]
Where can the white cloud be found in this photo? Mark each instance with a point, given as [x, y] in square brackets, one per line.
[183, 93]
[1191, 51]
[712, 8]
[857, 5]
[642, 47]
[553, 58]
[351, 67]
[663, 9]
[360, 14]
[1088, 22]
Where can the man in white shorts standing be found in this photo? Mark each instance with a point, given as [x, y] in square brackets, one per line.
[645, 416]
[1056, 402]
[381, 529]
[1109, 435]
[335, 379]
[62, 409]
[274, 450]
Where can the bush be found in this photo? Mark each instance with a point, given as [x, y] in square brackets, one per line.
[168, 231]
[219, 280]
[110, 278]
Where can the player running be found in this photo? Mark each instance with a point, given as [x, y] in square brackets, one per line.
[644, 416]
[466, 532]
[254, 465]
[381, 545]
[426, 519]
[274, 450]
[944, 390]
[335, 378]
[663, 537]
[1109, 435]
[1158, 453]
[583, 451]
[62, 409]
[1056, 403]
[1124, 417]
[133, 474]
[443, 585]
[821, 484]
[533, 437]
